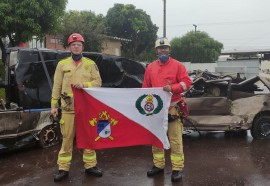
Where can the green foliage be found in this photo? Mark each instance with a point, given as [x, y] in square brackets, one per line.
[23, 19]
[89, 25]
[125, 21]
[2, 93]
[147, 55]
[196, 47]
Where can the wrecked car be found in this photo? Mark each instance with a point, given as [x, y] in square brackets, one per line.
[25, 112]
[221, 105]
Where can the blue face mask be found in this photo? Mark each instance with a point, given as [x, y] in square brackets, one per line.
[76, 57]
[163, 58]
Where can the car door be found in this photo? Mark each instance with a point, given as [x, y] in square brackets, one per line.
[212, 110]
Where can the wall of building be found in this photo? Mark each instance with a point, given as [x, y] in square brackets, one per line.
[200, 66]
[54, 42]
[109, 46]
[112, 47]
[246, 68]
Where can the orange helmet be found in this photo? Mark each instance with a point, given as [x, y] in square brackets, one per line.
[75, 37]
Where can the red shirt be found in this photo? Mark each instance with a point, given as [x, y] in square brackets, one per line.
[172, 72]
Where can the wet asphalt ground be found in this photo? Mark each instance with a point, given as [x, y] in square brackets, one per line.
[215, 158]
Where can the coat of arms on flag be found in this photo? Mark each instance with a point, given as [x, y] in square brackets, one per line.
[118, 117]
[149, 107]
[103, 123]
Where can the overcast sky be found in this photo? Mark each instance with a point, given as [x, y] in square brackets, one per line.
[238, 24]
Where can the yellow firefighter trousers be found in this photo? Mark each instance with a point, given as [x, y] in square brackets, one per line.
[65, 154]
[175, 130]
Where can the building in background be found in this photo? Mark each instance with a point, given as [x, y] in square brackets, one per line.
[111, 45]
[53, 42]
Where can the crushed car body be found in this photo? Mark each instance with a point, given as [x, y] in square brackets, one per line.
[221, 105]
[25, 113]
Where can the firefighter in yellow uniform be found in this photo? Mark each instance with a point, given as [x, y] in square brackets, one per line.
[79, 72]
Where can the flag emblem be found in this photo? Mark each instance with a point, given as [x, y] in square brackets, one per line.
[150, 106]
[103, 125]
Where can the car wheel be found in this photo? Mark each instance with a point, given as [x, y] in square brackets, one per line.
[49, 136]
[261, 128]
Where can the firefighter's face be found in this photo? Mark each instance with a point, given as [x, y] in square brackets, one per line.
[163, 50]
[76, 47]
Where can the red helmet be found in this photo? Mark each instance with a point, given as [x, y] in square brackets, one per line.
[75, 37]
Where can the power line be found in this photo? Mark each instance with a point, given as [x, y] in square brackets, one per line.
[254, 39]
[223, 23]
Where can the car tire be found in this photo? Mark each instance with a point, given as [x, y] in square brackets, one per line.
[261, 128]
[49, 136]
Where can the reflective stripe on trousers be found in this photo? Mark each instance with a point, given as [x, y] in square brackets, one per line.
[89, 158]
[68, 133]
[175, 130]
[65, 153]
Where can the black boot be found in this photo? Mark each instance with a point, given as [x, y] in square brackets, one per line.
[94, 171]
[177, 175]
[153, 171]
[60, 175]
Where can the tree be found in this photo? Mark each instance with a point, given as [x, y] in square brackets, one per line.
[196, 47]
[125, 21]
[21, 20]
[89, 25]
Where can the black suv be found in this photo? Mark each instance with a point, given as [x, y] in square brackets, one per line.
[25, 112]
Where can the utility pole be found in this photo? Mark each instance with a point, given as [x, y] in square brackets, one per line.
[195, 26]
[164, 19]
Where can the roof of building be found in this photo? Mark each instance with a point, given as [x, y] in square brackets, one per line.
[255, 51]
[118, 38]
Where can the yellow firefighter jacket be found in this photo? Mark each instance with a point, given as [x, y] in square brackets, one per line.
[68, 73]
